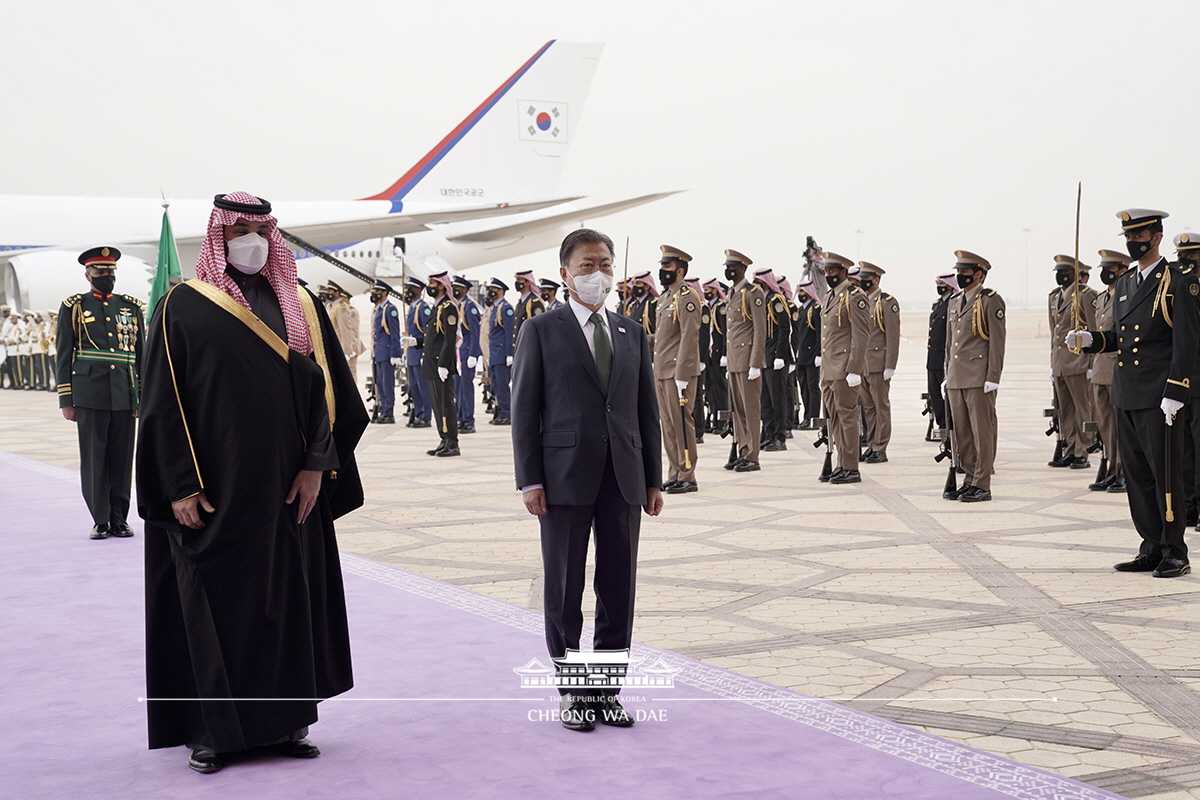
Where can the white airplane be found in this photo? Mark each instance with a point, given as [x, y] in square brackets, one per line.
[486, 192]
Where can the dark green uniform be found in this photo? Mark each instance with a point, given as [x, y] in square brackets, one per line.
[99, 357]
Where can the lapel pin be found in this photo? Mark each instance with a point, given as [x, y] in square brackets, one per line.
[1121, 299]
[622, 330]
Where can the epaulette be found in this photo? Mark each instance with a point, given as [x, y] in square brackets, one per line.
[134, 300]
[989, 292]
[886, 296]
[72, 300]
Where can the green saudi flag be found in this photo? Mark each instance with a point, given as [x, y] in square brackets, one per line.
[168, 263]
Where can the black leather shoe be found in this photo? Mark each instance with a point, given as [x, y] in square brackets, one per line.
[1140, 563]
[747, 466]
[1064, 461]
[666, 487]
[504, 421]
[450, 451]
[805, 426]
[388, 420]
[774, 447]
[608, 711]
[204, 760]
[846, 476]
[1172, 568]
[576, 714]
[954, 495]
[734, 464]
[1079, 462]
[420, 423]
[875, 457]
[120, 528]
[683, 487]
[975, 495]
[1117, 486]
[1102, 484]
[99, 532]
[436, 450]
[301, 748]
[699, 438]
[466, 428]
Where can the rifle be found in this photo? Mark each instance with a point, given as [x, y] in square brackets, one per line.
[1098, 444]
[927, 411]
[373, 400]
[822, 424]
[1055, 430]
[950, 490]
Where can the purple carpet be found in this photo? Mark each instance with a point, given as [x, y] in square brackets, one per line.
[438, 711]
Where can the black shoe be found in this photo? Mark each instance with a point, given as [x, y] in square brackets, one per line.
[683, 487]
[954, 495]
[666, 487]
[774, 447]
[120, 528]
[789, 434]
[875, 457]
[99, 532]
[734, 464]
[1172, 568]
[436, 450]
[747, 466]
[1079, 462]
[1140, 563]
[204, 760]
[805, 426]
[576, 714]
[1064, 461]
[975, 495]
[466, 428]
[450, 451]
[825, 477]
[846, 476]
[699, 438]
[504, 421]
[1117, 486]
[388, 420]
[301, 748]
[1102, 484]
[608, 711]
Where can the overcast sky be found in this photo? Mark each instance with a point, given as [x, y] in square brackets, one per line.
[892, 132]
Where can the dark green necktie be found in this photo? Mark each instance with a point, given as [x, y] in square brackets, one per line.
[603, 349]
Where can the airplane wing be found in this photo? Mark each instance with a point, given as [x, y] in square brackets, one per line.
[330, 234]
[548, 223]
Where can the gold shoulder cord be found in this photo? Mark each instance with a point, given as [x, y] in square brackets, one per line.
[175, 383]
[1160, 297]
[243, 315]
[383, 318]
[843, 302]
[318, 343]
[746, 315]
[978, 320]
[879, 311]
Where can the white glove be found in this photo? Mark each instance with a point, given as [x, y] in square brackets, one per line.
[791, 367]
[888, 373]
[348, 357]
[681, 386]
[1090, 372]
[853, 380]
[396, 361]
[508, 361]
[1082, 339]
[408, 341]
[943, 388]
[817, 361]
[443, 373]
[703, 366]
[988, 386]
[724, 361]
[755, 372]
[777, 364]
[471, 362]
[1170, 408]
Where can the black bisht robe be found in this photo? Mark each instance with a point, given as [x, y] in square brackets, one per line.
[251, 605]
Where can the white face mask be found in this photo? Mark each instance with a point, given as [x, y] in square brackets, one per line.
[248, 254]
[593, 288]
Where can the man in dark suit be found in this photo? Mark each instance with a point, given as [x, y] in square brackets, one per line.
[587, 453]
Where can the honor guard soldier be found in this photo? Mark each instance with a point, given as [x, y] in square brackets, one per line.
[345, 319]
[1154, 334]
[791, 380]
[845, 321]
[99, 341]
[745, 346]
[500, 349]
[716, 380]
[7, 353]
[1187, 253]
[624, 297]
[935, 350]
[387, 350]
[976, 335]
[1113, 265]
[14, 342]
[470, 321]
[677, 368]
[1068, 369]
[439, 362]
[644, 308]
[530, 304]
[549, 293]
[808, 351]
[705, 353]
[415, 323]
[883, 351]
[777, 354]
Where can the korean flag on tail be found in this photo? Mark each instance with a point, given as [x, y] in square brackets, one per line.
[541, 121]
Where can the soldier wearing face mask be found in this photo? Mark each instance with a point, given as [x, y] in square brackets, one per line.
[716, 381]
[415, 324]
[549, 292]
[935, 356]
[99, 359]
[1069, 370]
[845, 329]
[883, 351]
[530, 304]
[345, 321]
[1112, 266]
[387, 350]
[500, 348]
[643, 306]
[745, 350]
[677, 369]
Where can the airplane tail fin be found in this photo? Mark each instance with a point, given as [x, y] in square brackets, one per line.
[513, 146]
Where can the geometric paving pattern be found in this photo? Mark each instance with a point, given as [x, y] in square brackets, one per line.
[1000, 625]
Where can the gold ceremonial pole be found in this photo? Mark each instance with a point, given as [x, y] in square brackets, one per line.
[1076, 309]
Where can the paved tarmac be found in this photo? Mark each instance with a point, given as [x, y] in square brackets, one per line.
[1000, 625]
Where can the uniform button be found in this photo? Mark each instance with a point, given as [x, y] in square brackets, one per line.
[112, 349]
[112, 366]
[1122, 327]
[1136, 363]
[110, 333]
[1137, 338]
[1135, 349]
[1120, 363]
[608, 408]
[108, 319]
[1135, 327]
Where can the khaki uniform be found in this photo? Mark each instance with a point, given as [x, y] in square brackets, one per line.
[1101, 381]
[844, 333]
[1069, 370]
[883, 351]
[345, 319]
[677, 358]
[745, 340]
[975, 336]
